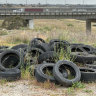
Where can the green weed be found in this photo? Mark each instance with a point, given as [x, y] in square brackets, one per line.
[78, 85]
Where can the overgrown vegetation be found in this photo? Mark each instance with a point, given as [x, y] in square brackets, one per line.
[55, 29]
[3, 81]
[77, 85]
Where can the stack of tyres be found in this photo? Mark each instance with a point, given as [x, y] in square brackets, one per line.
[10, 62]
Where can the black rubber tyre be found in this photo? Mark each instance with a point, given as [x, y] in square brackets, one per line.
[10, 59]
[41, 76]
[19, 46]
[4, 47]
[76, 47]
[36, 41]
[59, 46]
[71, 67]
[88, 74]
[65, 73]
[94, 51]
[2, 50]
[50, 57]
[58, 40]
[83, 57]
[91, 66]
[35, 52]
[21, 51]
[82, 48]
[10, 75]
[44, 46]
[89, 49]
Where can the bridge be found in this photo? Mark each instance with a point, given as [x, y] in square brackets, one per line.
[47, 13]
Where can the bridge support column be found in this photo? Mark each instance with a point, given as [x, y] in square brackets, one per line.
[88, 27]
[31, 24]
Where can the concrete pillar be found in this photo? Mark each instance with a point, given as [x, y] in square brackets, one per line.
[31, 24]
[88, 27]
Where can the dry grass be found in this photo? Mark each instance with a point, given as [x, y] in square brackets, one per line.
[71, 30]
[45, 85]
[25, 74]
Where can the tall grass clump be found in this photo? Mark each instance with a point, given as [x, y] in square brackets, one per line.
[28, 67]
[65, 54]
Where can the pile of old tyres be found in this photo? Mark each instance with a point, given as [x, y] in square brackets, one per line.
[46, 59]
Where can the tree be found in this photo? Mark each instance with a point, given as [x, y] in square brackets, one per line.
[13, 23]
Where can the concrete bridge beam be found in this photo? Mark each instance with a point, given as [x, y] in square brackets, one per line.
[31, 24]
[88, 27]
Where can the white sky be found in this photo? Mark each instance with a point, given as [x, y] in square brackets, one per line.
[49, 1]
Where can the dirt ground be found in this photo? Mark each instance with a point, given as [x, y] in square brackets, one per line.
[27, 88]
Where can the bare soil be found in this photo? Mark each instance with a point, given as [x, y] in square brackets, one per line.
[27, 88]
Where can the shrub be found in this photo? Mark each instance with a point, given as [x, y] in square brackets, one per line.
[70, 25]
[13, 23]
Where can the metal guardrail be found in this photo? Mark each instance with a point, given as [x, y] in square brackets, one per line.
[50, 13]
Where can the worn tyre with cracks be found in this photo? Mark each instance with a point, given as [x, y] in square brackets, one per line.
[10, 75]
[73, 69]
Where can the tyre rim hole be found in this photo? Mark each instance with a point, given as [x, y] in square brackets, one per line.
[76, 50]
[48, 70]
[35, 53]
[67, 70]
[86, 70]
[10, 60]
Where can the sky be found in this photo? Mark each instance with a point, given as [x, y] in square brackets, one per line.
[48, 1]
